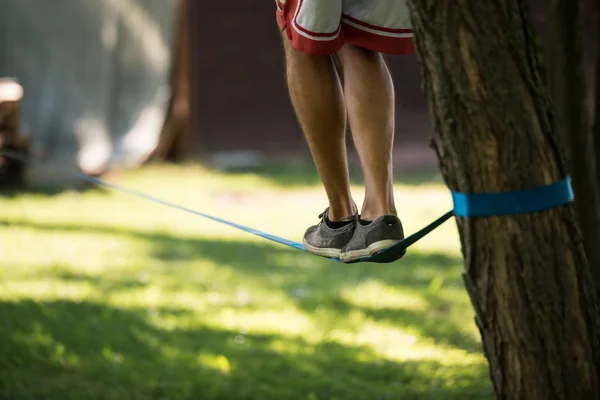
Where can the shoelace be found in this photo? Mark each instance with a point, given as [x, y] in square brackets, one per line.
[347, 228]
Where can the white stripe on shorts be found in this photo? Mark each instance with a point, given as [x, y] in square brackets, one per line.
[321, 17]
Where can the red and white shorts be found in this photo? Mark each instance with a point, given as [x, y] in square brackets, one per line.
[324, 26]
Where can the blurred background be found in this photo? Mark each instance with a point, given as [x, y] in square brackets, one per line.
[107, 296]
[120, 83]
[116, 83]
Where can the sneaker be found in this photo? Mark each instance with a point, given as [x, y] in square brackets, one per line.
[325, 241]
[372, 238]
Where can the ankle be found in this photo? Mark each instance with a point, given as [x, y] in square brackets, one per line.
[372, 213]
[338, 212]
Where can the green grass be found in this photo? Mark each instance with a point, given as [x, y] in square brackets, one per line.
[301, 173]
[106, 296]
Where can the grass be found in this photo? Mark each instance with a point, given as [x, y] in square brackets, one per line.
[301, 173]
[107, 296]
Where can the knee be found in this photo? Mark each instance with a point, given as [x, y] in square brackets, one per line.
[292, 52]
[352, 57]
[353, 51]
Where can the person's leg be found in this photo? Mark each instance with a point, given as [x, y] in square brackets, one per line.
[311, 35]
[373, 28]
[369, 97]
[318, 101]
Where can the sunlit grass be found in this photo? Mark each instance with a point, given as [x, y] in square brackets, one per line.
[107, 296]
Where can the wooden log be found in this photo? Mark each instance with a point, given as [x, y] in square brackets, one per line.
[175, 138]
[12, 172]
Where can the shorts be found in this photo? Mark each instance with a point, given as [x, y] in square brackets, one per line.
[324, 26]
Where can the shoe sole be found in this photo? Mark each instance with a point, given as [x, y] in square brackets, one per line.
[373, 248]
[323, 252]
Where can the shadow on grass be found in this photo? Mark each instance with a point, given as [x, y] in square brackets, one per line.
[53, 191]
[83, 350]
[257, 369]
[310, 281]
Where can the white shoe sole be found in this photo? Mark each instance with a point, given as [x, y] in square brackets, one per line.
[323, 252]
[374, 248]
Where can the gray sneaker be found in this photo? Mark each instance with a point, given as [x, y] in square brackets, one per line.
[370, 239]
[324, 241]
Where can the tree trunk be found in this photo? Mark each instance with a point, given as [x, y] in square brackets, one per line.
[527, 275]
[11, 171]
[597, 97]
[569, 95]
[175, 137]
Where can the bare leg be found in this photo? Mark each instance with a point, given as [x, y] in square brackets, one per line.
[317, 97]
[369, 96]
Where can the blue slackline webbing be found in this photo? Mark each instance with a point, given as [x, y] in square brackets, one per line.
[97, 181]
[465, 205]
[402, 245]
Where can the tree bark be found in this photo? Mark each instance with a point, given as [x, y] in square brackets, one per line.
[527, 275]
[569, 95]
[597, 97]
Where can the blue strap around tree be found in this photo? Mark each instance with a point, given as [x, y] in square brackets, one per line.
[514, 202]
